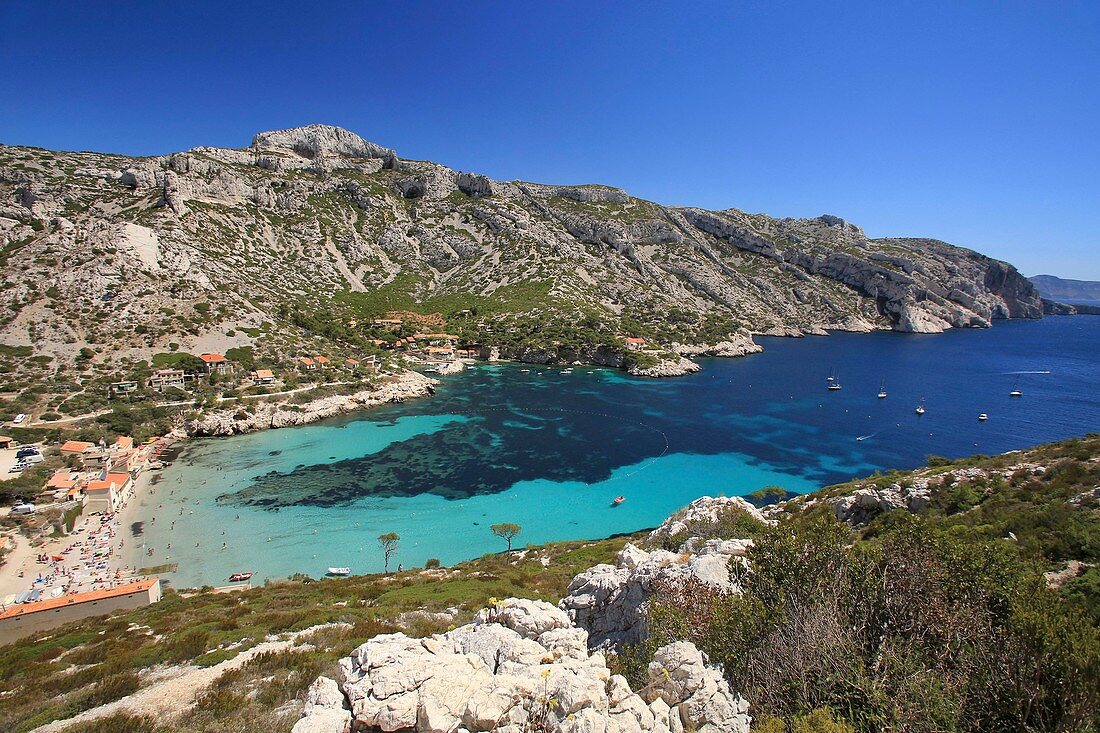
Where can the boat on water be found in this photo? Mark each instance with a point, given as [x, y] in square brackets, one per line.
[920, 407]
[239, 577]
[833, 387]
[618, 500]
[882, 390]
[339, 571]
[983, 417]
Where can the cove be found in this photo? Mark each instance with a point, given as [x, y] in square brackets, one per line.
[547, 450]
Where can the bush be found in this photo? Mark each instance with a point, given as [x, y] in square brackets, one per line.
[432, 562]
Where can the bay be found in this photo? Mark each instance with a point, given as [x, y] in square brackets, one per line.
[551, 450]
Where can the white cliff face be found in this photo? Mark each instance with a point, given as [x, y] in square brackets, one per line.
[704, 509]
[609, 601]
[264, 415]
[519, 666]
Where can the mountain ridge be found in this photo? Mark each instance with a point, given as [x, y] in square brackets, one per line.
[286, 242]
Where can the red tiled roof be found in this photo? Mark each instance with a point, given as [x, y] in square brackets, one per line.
[264, 374]
[75, 446]
[116, 479]
[94, 595]
[306, 360]
[212, 358]
[321, 359]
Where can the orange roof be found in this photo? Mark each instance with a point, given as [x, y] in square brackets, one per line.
[61, 480]
[635, 340]
[113, 479]
[434, 336]
[306, 360]
[93, 595]
[75, 446]
[264, 374]
[351, 362]
[211, 358]
[124, 442]
[321, 359]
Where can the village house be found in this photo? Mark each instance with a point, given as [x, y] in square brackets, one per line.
[65, 484]
[123, 387]
[33, 618]
[635, 343]
[386, 323]
[75, 447]
[262, 376]
[322, 361]
[108, 493]
[216, 363]
[306, 364]
[163, 379]
[441, 352]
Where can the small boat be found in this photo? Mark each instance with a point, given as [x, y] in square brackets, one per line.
[339, 571]
[920, 407]
[882, 390]
[1016, 389]
[983, 417]
[239, 577]
[618, 500]
[834, 386]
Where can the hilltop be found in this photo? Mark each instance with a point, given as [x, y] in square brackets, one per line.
[314, 240]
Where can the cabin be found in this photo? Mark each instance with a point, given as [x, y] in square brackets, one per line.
[216, 363]
[322, 361]
[306, 364]
[635, 343]
[163, 379]
[262, 376]
[6, 442]
[118, 388]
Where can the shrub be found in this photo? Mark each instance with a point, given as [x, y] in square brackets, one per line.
[432, 562]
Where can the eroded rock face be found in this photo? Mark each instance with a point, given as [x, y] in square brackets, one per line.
[314, 141]
[409, 385]
[521, 666]
[326, 709]
[609, 601]
[703, 509]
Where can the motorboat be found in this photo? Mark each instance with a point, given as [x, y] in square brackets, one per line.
[983, 417]
[834, 386]
[239, 577]
[920, 407]
[618, 500]
[339, 571]
[882, 390]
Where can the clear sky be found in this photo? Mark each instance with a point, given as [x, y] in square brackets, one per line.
[974, 122]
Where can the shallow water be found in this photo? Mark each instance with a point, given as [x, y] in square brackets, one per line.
[549, 451]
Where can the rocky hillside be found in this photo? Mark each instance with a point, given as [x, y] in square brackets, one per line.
[310, 233]
[1069, 291]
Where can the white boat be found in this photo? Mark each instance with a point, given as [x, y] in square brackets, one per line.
[882, 390]
[1016, 389]
[920, 407]
[983, 417]
[339, 571]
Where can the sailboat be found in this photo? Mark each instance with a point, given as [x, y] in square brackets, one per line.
[920, 407]
[834, 385]
[882, 390]
[1016, 389]
[831, 377]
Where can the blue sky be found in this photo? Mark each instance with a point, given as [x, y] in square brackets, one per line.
[972, 122]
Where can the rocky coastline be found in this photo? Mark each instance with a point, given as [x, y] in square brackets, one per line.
[265, 415]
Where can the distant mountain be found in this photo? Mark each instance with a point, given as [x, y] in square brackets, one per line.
[1057, 288]
[309, 235]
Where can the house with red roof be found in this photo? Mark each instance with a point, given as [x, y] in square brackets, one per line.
[108, 493]
[216, 363]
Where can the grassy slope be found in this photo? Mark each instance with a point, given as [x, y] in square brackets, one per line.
[86, 664]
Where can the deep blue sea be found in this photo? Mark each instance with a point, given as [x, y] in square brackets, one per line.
[550, 451]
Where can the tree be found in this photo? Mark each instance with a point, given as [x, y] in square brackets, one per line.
[389, 543]
[506, 531]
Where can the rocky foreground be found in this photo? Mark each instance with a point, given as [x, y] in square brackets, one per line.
[526, 665]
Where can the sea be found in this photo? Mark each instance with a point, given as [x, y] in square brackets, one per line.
[551, 450]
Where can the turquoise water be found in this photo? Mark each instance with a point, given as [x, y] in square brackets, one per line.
[549, 451]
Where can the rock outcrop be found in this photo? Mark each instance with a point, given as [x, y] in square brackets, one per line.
[703, 510]
[519, 666]
[248, 419]
[609, 601]
[307, 213]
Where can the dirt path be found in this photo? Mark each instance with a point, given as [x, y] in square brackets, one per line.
[173, 696]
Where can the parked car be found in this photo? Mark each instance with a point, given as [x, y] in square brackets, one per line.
[20, 418]
[30, 458]
[23, 509]
[27, 450]
[19, 467]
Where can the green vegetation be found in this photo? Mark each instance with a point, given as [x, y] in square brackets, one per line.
[939, 621]
[507, 531]
[59, 674]
[389, 542]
